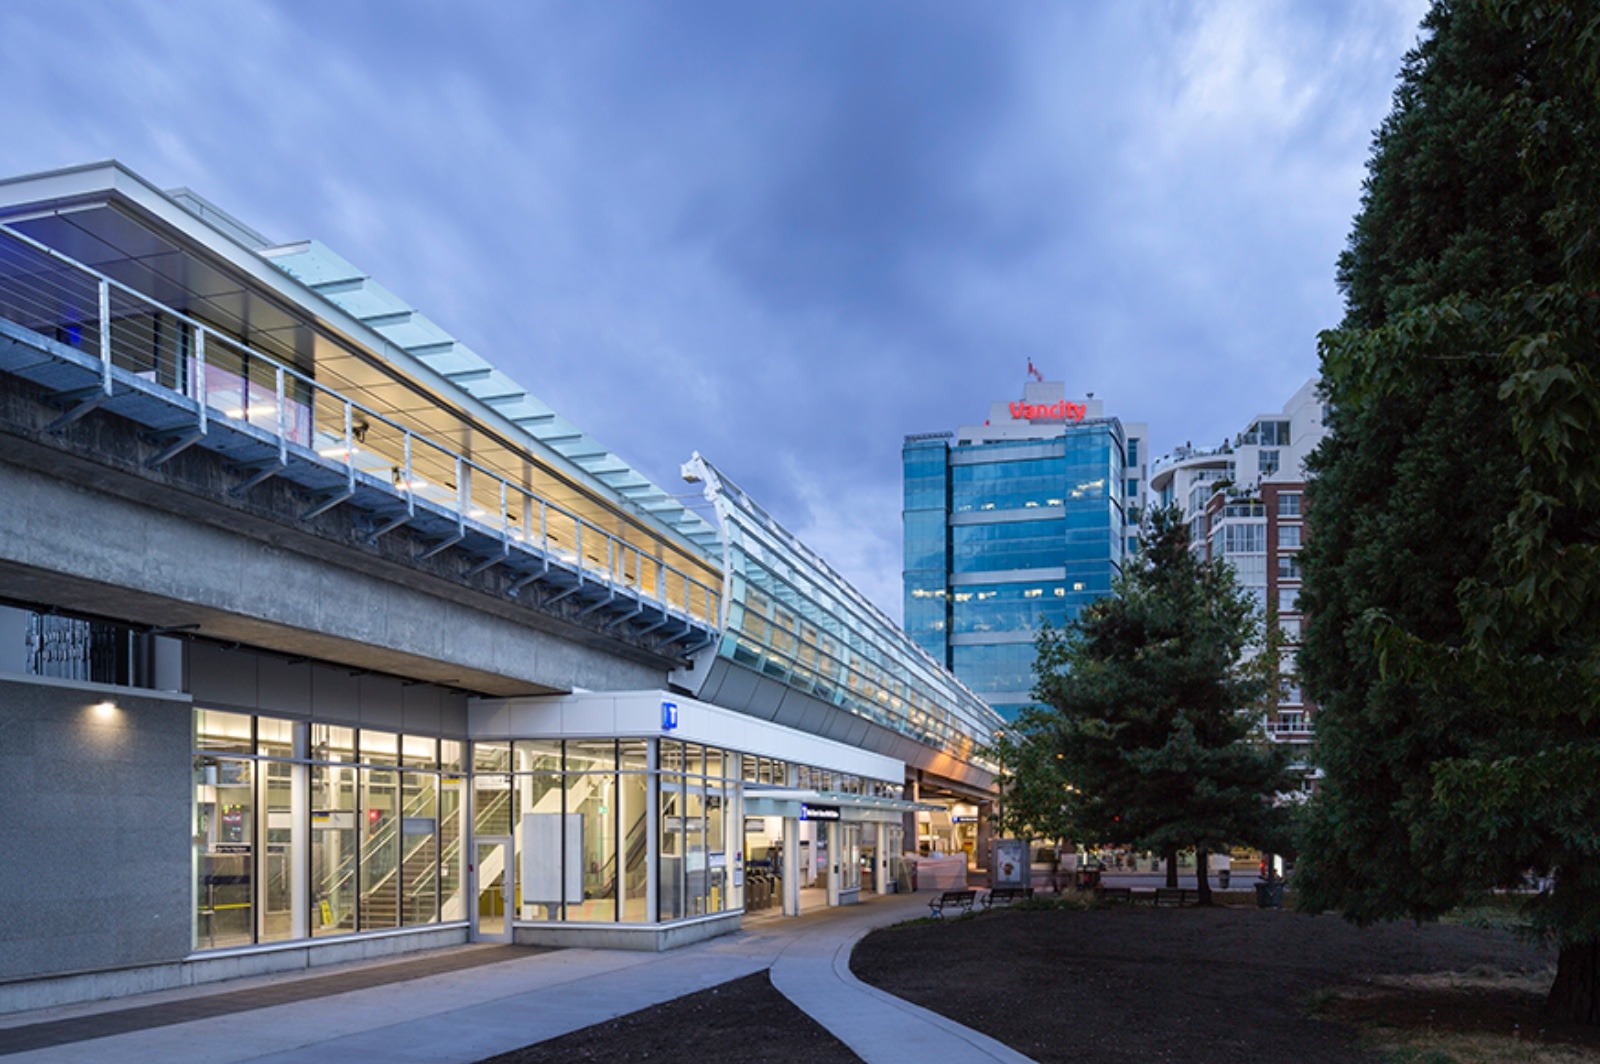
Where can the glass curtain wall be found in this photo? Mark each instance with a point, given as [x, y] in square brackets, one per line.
[302, 831]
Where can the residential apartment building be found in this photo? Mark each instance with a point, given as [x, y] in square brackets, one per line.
[1244, 502]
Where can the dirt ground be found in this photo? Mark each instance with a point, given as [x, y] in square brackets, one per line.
[745, 1020]
[1202, 985]
[1123, 984]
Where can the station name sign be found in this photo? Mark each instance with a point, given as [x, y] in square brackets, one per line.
[1062, 411]
[818, 812]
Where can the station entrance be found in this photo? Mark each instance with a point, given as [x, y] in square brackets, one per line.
[805, 850]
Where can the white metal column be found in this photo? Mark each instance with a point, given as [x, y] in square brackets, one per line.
[791, 866]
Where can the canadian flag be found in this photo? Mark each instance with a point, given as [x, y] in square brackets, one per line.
[1034, 372]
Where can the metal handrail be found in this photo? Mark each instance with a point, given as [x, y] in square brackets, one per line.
[199, 363]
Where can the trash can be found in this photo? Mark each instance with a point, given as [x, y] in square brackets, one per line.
[1224, 875]
[1269, 894]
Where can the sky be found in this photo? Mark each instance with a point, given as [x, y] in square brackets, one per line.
[785, 234]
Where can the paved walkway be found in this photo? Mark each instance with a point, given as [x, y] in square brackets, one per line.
[482, 1000]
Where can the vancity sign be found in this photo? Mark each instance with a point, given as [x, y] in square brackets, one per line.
[1062, 411]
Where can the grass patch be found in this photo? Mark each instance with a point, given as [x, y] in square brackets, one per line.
[1480, 1016]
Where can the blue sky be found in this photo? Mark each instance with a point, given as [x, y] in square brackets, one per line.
[783, 234]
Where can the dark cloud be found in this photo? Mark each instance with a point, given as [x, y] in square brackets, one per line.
[784, 234]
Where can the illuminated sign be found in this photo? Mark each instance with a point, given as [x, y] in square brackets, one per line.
[1062, 411]
[819, 812]
[669, 716]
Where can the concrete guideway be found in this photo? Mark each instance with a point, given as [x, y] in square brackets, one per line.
[463, 1015]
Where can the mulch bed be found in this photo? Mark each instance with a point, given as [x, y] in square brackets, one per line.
[1122, 984]
[1197, 985]
[745, 1020]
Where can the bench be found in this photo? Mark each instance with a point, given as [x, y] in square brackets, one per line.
[1179, 896]
[1122, 894]
[1007, 895]
[960, 899]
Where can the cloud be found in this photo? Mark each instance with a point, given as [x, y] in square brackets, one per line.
[783, 234]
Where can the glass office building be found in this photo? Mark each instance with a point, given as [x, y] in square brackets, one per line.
[1017, 522]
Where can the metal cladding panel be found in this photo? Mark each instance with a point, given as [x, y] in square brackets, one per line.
[283, 686]
[422, 710]
[765, 701]
[382, 702]
[222, 677]
[335, 694]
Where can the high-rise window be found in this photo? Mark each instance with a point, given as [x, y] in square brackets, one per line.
[1289, 504]
[1289, 537]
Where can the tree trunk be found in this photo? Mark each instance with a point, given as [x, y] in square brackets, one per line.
[1575, 995]
[1202, 873]
[1171, 857]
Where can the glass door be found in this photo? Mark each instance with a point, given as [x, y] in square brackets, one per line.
[492, 877]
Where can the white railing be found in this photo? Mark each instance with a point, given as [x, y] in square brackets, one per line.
[63, 300]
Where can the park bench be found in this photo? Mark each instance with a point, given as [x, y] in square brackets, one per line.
[960, 899]
[1178, 896]
[1122, 894]
[1006, 895]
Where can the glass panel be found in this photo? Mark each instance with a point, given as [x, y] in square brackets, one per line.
[669, 875]
[713, 762]
[283, 913]
[592, 796]
[450, 754]
[224, 812]
[538, 755]
[419, 848]
[419, 751]
[671, 756]
[222, 732]
[693, 759]
[491, 803]
[492, 916]
[635, 829]
[380, 849]
[379, 747]
[329, 742]
[633, 755]
[694, 853]
[333, 849]
[716, 849]
[591, 755]
[452, 814]
[491, 757]
[275, 738]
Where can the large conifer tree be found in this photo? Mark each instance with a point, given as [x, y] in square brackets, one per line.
[1452, 582]
[1155, 717]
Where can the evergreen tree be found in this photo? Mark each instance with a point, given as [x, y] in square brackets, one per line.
[1156, 719]
[1452, 581]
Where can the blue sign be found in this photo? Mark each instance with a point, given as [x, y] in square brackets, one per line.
[669, 716]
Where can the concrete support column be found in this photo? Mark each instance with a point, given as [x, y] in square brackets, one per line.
[791, 866]
[835, 861]
[880, 859]
[909, 821]
[985, 835]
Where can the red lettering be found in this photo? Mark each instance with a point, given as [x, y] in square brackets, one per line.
[1061, 411]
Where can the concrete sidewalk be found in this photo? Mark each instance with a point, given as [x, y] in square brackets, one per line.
[500, 1000]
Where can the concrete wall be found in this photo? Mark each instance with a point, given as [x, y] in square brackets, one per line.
[94, 827]
[171, 569]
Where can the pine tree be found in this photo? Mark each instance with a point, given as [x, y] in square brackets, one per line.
[1452, 582]
[1156, 719]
